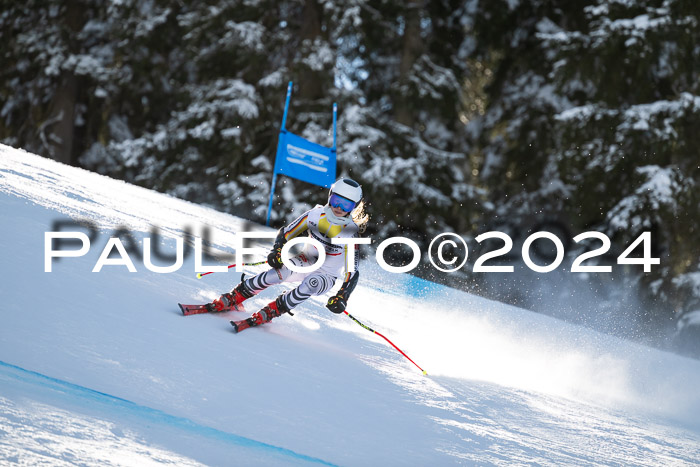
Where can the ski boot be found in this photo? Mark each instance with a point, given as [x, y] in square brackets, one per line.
[269, 311]
[230, 301]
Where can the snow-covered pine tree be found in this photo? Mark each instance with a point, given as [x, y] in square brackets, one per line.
[187, 98]
[629, 143]
[591, 117]
[51, 58]
[402, 136]
[189, 123]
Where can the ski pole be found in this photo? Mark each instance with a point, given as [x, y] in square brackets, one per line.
[202, 274]
[384, 337]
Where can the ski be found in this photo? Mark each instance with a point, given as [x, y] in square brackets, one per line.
[194, 309]
[243, 324]
[197, 309]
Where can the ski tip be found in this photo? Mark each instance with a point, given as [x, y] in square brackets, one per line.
[235, 326]
[181, 308]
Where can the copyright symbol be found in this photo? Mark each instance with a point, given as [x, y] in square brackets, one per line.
[440, 247]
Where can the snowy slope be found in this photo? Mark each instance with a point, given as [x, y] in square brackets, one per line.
[100, 368]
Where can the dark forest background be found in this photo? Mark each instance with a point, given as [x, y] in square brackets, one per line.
[456, 116]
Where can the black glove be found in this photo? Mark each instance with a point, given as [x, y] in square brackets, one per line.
[274, 259]
[336, 304]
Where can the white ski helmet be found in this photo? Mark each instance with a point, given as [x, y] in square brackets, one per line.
[348, 189]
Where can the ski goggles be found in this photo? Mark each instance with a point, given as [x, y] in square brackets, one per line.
[337, 201]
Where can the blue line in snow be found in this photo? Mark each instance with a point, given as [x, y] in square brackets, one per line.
[33, 377]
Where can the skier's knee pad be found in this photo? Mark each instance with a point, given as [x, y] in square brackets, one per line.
[316, 284]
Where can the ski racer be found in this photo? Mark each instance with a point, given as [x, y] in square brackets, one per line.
[343, 216]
